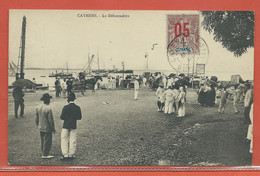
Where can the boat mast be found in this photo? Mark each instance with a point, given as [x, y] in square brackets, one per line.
[88, 62]
[23, 48]
[67, 67]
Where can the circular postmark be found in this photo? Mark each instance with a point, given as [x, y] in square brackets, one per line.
[184, 49]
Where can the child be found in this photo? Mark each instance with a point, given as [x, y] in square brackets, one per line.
[223, 100]
[181, 102]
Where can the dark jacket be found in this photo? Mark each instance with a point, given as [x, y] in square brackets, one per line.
[18, 94]
[70, 114]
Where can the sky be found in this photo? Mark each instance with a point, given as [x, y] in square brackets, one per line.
[57, 37]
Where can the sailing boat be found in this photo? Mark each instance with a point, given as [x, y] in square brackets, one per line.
[62, 74]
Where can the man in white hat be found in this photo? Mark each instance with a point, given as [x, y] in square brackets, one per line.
[136, 87]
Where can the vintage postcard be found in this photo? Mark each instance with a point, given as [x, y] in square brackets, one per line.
[130, 88]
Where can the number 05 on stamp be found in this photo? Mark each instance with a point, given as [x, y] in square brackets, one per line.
[184, 29]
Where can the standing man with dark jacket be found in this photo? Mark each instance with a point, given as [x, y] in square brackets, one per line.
[70, 114]
[45, 122]
[18, 101]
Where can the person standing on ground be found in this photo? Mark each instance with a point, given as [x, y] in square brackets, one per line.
[170, 82]
[63, 87]
[57, 87]
[201, 95]
[34, 84]
[159, 95]
[181, 102]
[70, 114]
[247, 103]
[236, 97]
[121, 81]
[164, 80]
[18, 101]
[45, 123]
[176, 101]
[169, 98]
[69, 86]
[223, 100]
[136, 87]
[211, 96]
[250, 129]
[144, 81]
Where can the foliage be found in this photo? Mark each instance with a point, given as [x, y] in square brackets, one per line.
[234, 29]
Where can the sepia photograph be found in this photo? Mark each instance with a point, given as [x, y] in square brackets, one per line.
[130, 87]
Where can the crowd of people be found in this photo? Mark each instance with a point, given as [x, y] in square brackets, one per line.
[209, 95]
[170, 95]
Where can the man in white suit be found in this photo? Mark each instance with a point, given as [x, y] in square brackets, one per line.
[136, 87]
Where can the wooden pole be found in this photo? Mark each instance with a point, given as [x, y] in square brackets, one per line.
[23, 48]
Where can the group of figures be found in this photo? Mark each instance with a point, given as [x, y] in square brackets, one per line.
[81, 84]
[66, 86]
[70, 114]
[171, 99]
[239, 93]
[45, 122]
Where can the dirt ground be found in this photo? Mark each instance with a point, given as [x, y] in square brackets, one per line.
[118, 130]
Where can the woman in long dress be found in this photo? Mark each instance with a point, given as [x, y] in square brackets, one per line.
[181, 100]
[211, 96]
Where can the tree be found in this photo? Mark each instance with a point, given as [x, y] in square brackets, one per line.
[234, 29]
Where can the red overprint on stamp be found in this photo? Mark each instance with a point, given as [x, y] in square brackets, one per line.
[184, 30]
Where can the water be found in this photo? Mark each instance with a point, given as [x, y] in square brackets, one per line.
[42, 76]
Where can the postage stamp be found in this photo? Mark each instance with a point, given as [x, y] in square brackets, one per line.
[184, 30]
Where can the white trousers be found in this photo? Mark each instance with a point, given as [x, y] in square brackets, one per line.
[181, 111]
[68, 142]
[250, 137]
[168, 107]
[136, 94]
